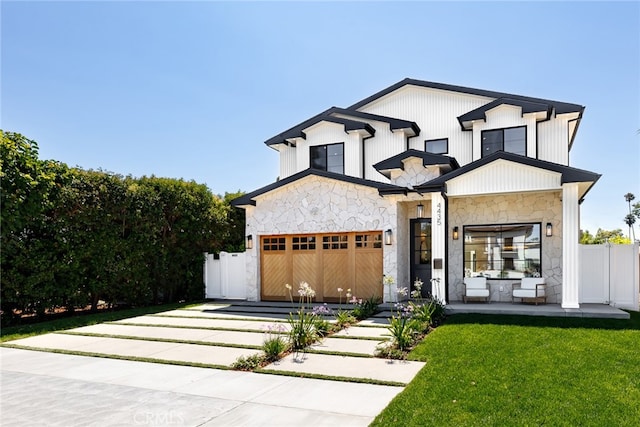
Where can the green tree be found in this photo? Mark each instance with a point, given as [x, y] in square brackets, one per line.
[234, 239]
[615, 237]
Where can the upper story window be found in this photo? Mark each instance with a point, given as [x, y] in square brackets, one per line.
[512, 140]
[437, 146]
[328, 157]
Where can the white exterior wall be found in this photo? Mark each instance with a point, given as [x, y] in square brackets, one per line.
[383, 145]
[435, 111]
[438, 236]
[504, 116]
[539, 207]
[571, 258]
[553, 140]
[287, 160]
[332, 133]
[503, 176]
[319, 205]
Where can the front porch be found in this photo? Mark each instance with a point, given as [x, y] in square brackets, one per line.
[548, 310]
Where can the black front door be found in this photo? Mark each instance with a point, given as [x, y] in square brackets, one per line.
[421, 254]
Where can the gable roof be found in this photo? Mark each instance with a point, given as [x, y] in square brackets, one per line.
[394, 124]
[298, 130]
[568, 173]
[526, 106]
[248, 199]
[560, 107]
[328, 115]
[397, 161]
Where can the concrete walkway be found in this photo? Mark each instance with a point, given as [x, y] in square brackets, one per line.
[74, 389]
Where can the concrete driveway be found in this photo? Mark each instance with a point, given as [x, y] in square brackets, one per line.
[47, 388]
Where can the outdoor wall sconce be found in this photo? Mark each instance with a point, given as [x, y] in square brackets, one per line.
[420, 210]
[387, 237]
[249, 242]
[549, 229]
[455, 233]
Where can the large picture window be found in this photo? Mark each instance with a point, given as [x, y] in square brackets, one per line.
[328, 157]
[512, 140]
[505, 251]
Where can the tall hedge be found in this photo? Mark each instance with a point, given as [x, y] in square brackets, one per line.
[71, 237]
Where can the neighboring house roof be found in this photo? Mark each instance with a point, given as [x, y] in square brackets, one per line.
[247, 199]
[397, 162]
[569, 174]
[560, 107]
[527, 107]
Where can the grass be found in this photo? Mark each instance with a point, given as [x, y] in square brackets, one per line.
[23, 331]
[486, 370]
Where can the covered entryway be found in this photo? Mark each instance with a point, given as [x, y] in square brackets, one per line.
[421, 253]
[325, 261]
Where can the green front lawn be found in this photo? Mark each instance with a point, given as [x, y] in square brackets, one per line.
[518, 370]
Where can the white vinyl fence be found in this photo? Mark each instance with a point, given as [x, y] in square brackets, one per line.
[225, 278]
[610, 274]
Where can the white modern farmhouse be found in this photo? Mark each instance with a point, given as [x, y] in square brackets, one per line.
[422, 180]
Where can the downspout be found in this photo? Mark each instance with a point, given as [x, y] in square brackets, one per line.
[363, 167]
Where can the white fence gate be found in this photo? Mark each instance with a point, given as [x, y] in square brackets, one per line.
[610, 274]
[225, 278]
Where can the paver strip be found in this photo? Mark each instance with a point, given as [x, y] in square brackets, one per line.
[202, 335]
[189, 353]
[346, 345]
[349, 367]
[197, 322]
[364, 332]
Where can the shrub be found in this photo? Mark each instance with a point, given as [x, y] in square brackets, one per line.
[274, 345]
[248, 363]
[366, 308]
[344, 319]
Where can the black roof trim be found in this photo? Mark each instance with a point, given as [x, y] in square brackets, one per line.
[298, 130]
[397, 161]
[569, 174]
[560, 107]
[527, 107]
[247, 199]
[394, 124]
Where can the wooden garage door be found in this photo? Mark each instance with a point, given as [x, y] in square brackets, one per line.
[326, 261]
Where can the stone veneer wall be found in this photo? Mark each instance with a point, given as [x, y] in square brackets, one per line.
[319, 205]
[414, 173]
[540, 207]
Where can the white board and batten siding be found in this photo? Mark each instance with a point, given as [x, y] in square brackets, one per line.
[503, 176]
[610, 274]
[225, 278]
[435, 111]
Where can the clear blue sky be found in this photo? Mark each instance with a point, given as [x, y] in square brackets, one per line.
[192, 90]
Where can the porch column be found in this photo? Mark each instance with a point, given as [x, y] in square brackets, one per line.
[438, 236]
[570, 240]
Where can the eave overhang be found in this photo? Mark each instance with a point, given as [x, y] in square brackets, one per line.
[249, 198]
[298, 131]
[396, 162]
[409, 127]
[568, 174]
[559, 107]
[466, 120]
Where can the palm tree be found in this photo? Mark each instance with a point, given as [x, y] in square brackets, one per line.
[630, 219]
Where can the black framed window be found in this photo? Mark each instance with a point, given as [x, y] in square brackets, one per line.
[503, 251]
[328, 157]
[437, 146]
[512, 140]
